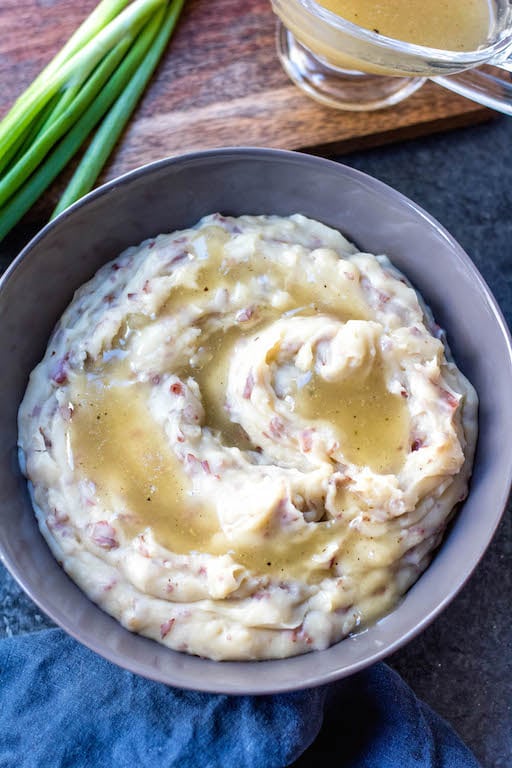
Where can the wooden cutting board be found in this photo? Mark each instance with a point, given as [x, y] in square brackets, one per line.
[219, 84]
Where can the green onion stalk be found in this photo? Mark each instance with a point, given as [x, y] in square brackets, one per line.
[97, 78]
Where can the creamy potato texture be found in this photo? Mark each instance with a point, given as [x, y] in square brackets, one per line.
[245, 439]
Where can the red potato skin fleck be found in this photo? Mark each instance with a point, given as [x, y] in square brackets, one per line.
[261, 595]
[180, 257]
[299, 633]
[67, 412]
[379, 298]
[244, 315]
[383, 298]
[141, 546]
[57, 520]
[194, 463]
[104, 536]
[61, 375]
[166, 627]
[47, 442]
[452, 401]
[249, 386]
[60, 378]
[306, 440]
[276, 427]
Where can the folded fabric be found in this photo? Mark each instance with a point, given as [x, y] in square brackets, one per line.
[62, 706]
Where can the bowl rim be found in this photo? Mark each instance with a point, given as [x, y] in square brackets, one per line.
[259, 686]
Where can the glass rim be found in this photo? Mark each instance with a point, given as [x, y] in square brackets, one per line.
[442, 55]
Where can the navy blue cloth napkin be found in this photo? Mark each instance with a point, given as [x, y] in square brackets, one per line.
[62, 706]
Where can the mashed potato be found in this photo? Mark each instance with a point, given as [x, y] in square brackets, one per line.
[245, 439]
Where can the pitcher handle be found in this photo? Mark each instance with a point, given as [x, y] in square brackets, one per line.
[483, 86]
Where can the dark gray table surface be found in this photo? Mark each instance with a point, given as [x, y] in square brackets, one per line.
[462, 664]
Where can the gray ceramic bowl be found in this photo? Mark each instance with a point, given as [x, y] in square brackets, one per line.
[175, 193]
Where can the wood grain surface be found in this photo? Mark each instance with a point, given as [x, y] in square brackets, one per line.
[219, 84]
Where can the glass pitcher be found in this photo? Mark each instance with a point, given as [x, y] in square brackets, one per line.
[351, 67]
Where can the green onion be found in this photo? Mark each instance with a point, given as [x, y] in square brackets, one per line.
[101, 146]
[27, 136]
[48, 136]
[74, 70]
[105, 65]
